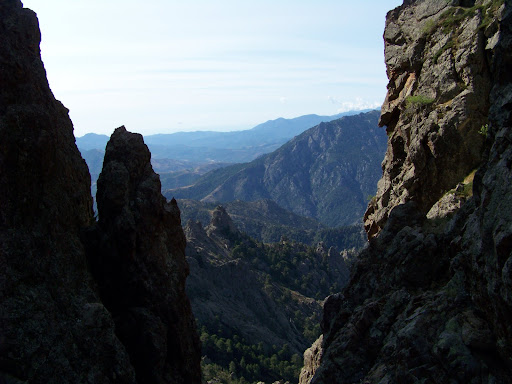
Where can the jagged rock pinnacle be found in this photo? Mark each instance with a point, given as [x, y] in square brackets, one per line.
[141, 266]
[221, 222]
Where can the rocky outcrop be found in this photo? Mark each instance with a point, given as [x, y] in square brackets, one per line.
[221, 227]
[265, 221]
[140, 265]
[55, 325]
[429, 299]
[438, 56]
[312, 359]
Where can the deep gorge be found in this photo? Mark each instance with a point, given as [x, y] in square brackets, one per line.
[428, 300]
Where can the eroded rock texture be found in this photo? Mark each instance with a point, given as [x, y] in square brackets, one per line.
[430, 299]
[53, 326]
[140, 265]
[438, 56]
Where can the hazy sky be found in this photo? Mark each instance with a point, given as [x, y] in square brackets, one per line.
[161, 66]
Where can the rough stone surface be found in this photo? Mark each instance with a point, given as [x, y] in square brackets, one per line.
[446, 205]
[312, 359]
[430, 300]
[140, 265]
[53, 327]
[437, 101]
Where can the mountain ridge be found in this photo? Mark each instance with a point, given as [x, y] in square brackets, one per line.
[325, 172]
[213, 146]
[265, 221]
[275, 127]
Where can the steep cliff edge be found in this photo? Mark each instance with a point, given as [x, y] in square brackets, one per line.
[438, 58]
[430, 299]
[55, 326]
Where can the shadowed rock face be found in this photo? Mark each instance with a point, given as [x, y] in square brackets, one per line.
[54, 325]
[430, 299]
[140, 266]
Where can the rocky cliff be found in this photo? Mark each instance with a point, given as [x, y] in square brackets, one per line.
[438, 57]
[430, 298]
[55, 325]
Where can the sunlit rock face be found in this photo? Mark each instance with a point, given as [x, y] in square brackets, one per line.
[430, 298]
[438, 57]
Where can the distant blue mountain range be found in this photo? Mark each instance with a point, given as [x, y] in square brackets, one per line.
[226, 147]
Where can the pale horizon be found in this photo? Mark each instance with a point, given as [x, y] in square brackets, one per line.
[167, 66]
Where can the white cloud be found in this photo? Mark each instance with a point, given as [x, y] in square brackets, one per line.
[355, 104]
[333, 100]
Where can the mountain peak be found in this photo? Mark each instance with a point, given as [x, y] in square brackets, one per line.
[140, 264]
[325, 173]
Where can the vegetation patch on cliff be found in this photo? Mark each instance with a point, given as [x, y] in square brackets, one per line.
[449, 45]
[454, 16]
[419, 100]
[451, 19]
